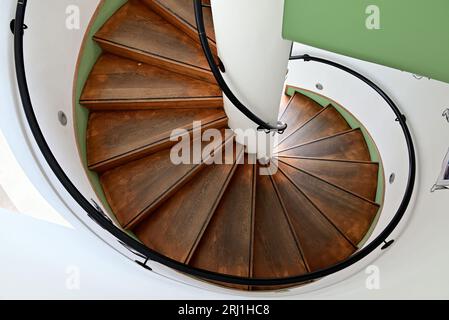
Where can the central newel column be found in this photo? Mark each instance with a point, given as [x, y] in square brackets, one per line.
[250, 44]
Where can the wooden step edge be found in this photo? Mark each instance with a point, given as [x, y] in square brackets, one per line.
[287, 107]
[282, 288]
[305, 123]
[253, 225]
[163, 143]
[150, 104]
[332, 184]
[356, 162]
[318, 140]
[251, 243]
[156, 60]
[179, 22]
[328, 160]
[253, 222]
[355, 245]
[290, 225]
[174, 188]
[200, 235]
[317, 210]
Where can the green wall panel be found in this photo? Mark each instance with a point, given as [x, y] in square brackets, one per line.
[413, 34]
[88, 56]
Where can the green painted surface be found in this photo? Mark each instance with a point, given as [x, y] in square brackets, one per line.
[374, 152]
[413, 34]
[88, 57]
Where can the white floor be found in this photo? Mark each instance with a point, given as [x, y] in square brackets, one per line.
[17, 193]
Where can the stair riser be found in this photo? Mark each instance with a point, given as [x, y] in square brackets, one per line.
[217, 201]
[178, 22]
[168, 194]
[148, 150]
[161, 62]
[114, 105]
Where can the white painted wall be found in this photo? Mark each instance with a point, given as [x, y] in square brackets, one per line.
[12, 122]
[255, 58]
[45, 261]
[19, 192]
[54, 58]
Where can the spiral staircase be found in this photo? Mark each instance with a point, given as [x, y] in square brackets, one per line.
[152, 78]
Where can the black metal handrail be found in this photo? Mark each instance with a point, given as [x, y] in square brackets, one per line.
[150, 255]
[279, 127]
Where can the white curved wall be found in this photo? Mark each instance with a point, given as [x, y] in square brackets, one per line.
[50, 54]
[54, 58]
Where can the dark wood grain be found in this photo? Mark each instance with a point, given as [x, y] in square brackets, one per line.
[348, 145]
[325, 123]
[181, 14]
[358, 177]
[138, 33]
[321, 243]
[226, 245]
[177, 226]
[153, 78]
[285, 100]
[114, 138]
[119, 83]
[276, 253]
[300, 109]
[351, 214]
[137, 188]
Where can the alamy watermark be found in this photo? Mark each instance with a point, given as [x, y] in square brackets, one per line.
[73, 278]
[372, 281]
[372, 22]
[73, 15]
[214, 146]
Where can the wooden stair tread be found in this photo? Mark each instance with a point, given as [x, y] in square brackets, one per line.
[359, 178]
[352, 215]
[285, 100]
[137, 188]
[182, 14]
[117, 82]
[176, 227]
[113, 138]
[276, 254]
[131, 188]
[349, 145]
[326, 123]
[226, 246]
[322, 244]
[299, 110]
[138, 33]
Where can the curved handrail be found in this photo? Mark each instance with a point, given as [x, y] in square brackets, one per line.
[152, 255]
[279, 127]
[400, 117]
